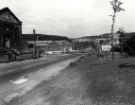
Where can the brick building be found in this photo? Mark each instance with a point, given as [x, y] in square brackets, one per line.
[10, 30]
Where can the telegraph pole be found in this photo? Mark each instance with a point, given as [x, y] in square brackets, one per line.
[35, 46]
[116, 8]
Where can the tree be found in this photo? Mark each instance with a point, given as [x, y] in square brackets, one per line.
[129, 45]
[31, 45]
[121, 31]
[116, 8]
[127, 42]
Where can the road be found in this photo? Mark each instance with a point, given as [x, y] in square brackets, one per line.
[17, 79]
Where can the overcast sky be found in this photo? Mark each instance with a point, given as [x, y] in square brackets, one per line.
[73, 18]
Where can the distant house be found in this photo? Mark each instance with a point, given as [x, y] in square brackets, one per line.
[95, 39]
[106, 47]
[107, 41]
[10, 30]
[103, 41]
[83, 39]
[46, 42]
[106, 38]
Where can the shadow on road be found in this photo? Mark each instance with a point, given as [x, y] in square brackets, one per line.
[126, 65]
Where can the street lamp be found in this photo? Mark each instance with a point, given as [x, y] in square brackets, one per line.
[116, 8]
[37, 40]
[35, 48]
[37, 52]
[35, 43]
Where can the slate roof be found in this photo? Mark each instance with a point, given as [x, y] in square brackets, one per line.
[6, 9]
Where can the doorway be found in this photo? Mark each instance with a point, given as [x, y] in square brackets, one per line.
[7, 41]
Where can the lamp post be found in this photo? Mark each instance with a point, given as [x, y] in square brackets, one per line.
[37, 52]
[37, 42]
[35, 48]
[116, 8]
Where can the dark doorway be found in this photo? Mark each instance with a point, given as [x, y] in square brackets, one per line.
[7, 41]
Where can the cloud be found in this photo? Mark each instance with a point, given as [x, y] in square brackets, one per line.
[73, 18]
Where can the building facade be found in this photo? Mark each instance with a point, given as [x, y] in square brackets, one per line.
[10, 30]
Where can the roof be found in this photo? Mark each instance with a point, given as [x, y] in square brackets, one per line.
[94, 37]
[3, 10]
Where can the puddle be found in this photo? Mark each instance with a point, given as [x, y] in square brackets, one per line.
[20, 81]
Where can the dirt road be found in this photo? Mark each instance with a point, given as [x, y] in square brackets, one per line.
[89, 81]
[23, 84]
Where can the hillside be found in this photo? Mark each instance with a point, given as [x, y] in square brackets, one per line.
[42, 37]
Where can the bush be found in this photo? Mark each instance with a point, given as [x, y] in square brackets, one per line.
[129, 46]
[116, 49]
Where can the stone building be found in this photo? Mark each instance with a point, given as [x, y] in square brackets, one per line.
[10, 30]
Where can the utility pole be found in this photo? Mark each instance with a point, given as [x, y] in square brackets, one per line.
[116, 8]
[37, 53]
[35, 44]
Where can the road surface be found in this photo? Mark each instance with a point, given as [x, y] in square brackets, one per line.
[17, 79]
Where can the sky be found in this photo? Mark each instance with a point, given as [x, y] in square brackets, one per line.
[72, 18]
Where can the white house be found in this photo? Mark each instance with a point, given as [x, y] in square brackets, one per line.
[106, 47]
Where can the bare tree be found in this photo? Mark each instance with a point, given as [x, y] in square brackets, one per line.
[116, 8]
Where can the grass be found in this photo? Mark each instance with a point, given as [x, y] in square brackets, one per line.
[107, 83]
